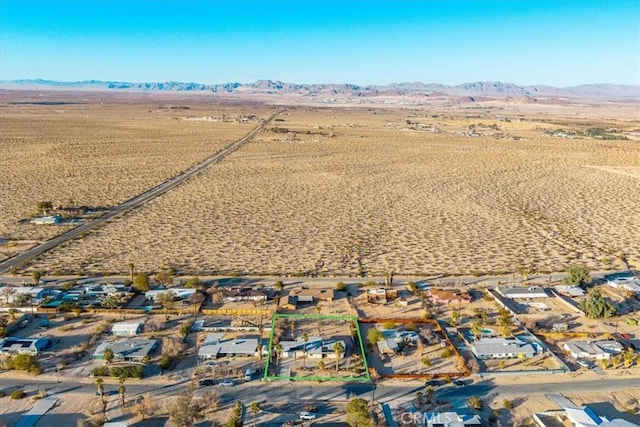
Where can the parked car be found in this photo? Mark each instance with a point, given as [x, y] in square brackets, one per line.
[226, 383]
[206, 382]
[311, 408]
[307, 416]
[433, 383]
[459, 383]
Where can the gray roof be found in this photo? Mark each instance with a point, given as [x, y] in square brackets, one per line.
[127, 348]
[488, 347]
[215, 345]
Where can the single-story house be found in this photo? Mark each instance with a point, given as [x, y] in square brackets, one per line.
[11, 294]
[592, 350]
[503, 348]
[53, 219]
[128, 349]
[315, 347]
[243, 295]
[447, 296]
[570, 291]
[515, 292]
[628, 283]
[14, 345]
[178, 293]
[126, 329]
[215, 346]
[108, 289]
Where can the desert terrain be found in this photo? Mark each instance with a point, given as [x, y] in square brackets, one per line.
[476, 188]
[89, 151]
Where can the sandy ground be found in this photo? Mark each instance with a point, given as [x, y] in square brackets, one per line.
[100, 153]
[354, 191]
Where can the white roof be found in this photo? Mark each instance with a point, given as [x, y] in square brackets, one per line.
[522, 292]
[583, 417]
[126, 326]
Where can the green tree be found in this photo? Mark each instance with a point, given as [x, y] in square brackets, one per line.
[141, 282]
[36, 275]
[193, 282]
[254, 408]
[374, 335]
[358, 413]
[578, 274]
[628, 356]
[476, 329]
[108, 355]
[45, 206]
[235, 417]
[279, 285]
[338, 351]
[110, 302]
[475, 402]
[507, 404]
[25, 362]
[596, 306]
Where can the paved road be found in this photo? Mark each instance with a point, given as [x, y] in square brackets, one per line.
[130, 204]
[339, 392]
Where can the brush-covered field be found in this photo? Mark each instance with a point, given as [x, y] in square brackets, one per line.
[325, 191]
[98, 154]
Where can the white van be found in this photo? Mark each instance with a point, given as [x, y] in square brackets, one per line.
[248, 374]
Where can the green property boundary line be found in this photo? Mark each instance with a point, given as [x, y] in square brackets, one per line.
[353, 319]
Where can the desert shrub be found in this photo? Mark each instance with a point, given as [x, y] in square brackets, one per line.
[2, 393]
[18, 394]
[341, 286]
[25, 362]
[165, 362]
[132, 371]
[446, 353]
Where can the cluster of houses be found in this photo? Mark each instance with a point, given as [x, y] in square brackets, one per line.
[215, 345]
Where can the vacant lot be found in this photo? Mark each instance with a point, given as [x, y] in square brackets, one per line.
[93, 153]
[357, 191]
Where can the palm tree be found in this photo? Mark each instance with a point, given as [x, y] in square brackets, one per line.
[254, 408]
[305, 338]
[338, 350]
[121, 388]
[100, 387]
[292, 326]
[108, 355]
[259, 349]
[278, 353]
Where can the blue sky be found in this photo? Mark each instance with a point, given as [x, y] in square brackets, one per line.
[560, 43]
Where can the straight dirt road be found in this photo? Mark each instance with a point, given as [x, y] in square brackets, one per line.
[132, 203]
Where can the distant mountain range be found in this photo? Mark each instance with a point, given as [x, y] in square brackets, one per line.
[611, 92]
